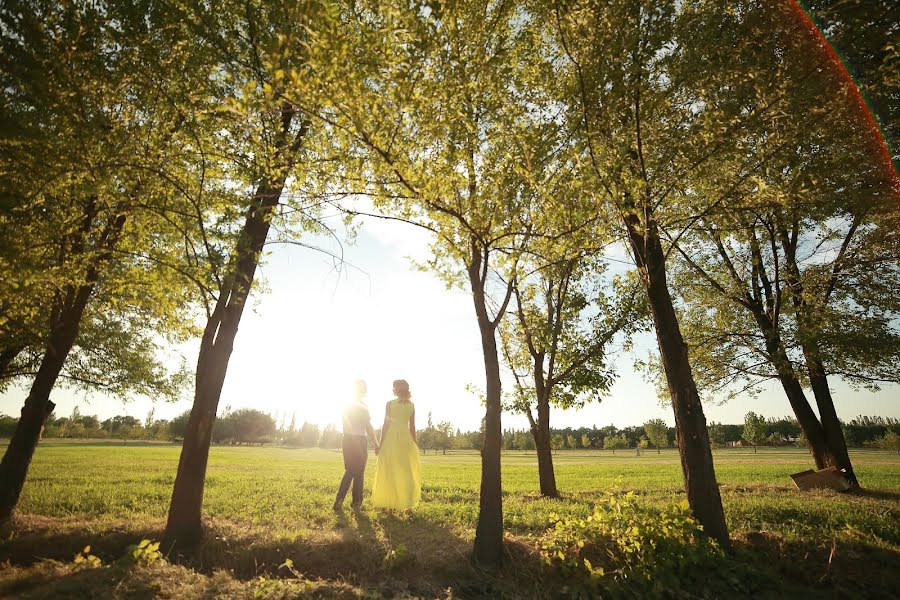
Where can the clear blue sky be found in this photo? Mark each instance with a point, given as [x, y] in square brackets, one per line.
[316, 329]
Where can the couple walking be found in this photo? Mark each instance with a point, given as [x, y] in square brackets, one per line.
[398, 485]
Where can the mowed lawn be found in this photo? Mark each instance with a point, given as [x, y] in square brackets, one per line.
[268, 504]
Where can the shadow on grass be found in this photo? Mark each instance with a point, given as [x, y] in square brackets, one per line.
[877, 494]
[811, 569]
[54, 581]
[391, 555]
[410, 555]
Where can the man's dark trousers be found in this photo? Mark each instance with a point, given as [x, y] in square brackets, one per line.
[356, 453]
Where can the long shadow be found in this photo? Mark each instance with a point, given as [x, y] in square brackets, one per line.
[839, 569]
[389, 555]
[393, 556]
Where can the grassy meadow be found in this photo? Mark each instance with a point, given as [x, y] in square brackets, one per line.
[266, 505]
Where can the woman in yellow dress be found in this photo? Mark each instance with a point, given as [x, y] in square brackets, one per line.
[398, 485]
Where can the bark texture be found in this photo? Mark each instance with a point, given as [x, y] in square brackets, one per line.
[690, 422]
[184, 526]
[488, 547]
[541, 432]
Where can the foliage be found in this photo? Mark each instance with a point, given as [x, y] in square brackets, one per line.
[143, 553]
[889, 441]
[331, 437]
[716, 434]
[754, 429]
[801, 269]
[178, 426]
[244, 426]
[615, 442]
[557, 441]
[621, 541]
[93, 175]
[85, 560]
[657, 433]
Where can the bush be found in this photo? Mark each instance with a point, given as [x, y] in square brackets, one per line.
[657, 552]
[889, 441]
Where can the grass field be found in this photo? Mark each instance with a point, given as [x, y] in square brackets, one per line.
[266, 505]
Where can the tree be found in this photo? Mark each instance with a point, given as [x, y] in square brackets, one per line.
[716, 435]
[889, 441]
[636, 102]
[178, 426]
[309, 435]
[615, 442]
[439, 153]
[556, 344]
[658, 433]
[444, 436]
[266, 79]
[585, 441]
[85, 179]
[800, 262]
[754, 429]
[7, 425]
[557, 441]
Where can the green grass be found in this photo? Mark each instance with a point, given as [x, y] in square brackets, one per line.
[268, 504]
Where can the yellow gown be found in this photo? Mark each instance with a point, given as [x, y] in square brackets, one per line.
[398, 484]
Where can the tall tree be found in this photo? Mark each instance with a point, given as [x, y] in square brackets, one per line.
[261, 55]
[799, 257]
[634, 98]
[89, 140]
[452, 122]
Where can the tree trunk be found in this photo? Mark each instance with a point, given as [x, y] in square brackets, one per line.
[690, 422]
[831, 425]
[184, 526]
[807, 419]
[67, 315]
[545, 463]
[540, 431]
[488, 547]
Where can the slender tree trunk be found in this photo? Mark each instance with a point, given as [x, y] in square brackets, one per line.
[540, 431]
[831, 425]
[71, 304]
[488, 547]
[184, 526]
[545, 464]
[807, 419]
[690, 422]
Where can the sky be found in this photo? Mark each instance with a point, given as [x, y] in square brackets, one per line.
[317, 328]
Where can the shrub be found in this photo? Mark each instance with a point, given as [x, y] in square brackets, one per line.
[657, 552]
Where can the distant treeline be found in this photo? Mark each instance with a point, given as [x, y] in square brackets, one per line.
[860, 432]
[251, 426]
